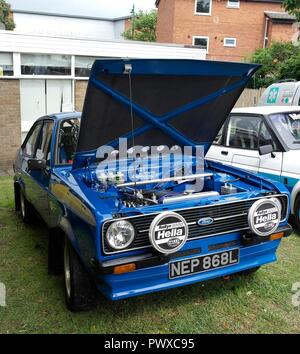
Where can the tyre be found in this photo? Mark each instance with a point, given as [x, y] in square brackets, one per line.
[249, 271]
[297, 213]
[80, 290]
[26, 209]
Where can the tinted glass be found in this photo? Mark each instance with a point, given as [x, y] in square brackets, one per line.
[265, 137]
[203, 6]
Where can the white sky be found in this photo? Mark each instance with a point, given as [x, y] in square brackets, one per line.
[96, 8]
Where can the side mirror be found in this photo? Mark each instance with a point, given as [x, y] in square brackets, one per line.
[36, 164]
[266, 149]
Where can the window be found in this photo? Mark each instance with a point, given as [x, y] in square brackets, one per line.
[201, 42]
[265, 137]
[234, 4]
[243, 132]
[45, 64]
[229, 42]
[287, 126]
[44, 142]
[67, 140]
[83, 66]
[6, 64]
[219, 138]
[31, 139]
[203, 7]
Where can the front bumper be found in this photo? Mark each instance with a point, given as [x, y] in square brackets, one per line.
[152, 270]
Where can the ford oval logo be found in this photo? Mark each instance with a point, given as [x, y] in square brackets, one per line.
[205, 221]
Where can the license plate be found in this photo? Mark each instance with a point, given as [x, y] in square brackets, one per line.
[203, 263]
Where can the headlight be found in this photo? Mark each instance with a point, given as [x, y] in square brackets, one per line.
[120, 234]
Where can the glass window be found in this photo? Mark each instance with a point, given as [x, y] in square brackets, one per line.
[83, 66]
[67, 140]
[287, 126]
[45, 64]
[233, 3]
[6, 64]
[243, 132]
[44, 142]
[31, 139]
[229, 42]
[218, 139]
[203, 7]
[201, 42]
[265, 137]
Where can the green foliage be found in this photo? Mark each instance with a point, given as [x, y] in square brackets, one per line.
[143, 27]
[292, 7]
[279, 61]
[4, 16]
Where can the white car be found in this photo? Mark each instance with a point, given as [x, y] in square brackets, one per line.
[283, 93]
[265, 140]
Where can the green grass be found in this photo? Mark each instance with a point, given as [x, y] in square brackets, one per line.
[260, 303]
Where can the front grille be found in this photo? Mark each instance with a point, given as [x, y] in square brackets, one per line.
[227, 217]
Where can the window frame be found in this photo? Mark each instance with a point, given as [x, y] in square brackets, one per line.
[229, 45]
[202, 37]
[203, 13]
[28, 136]
[279, 147]
[231, 6]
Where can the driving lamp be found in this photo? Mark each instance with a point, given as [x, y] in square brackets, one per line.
[120, 234]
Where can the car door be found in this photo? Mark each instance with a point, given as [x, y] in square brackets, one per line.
[270, 165]
[42, 177]
[28, 150]
[218, 151]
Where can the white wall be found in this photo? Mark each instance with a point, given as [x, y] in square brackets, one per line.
[69, 27]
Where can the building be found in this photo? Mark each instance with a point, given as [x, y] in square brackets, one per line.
[42, 74]
[228, 29]
[57, 24]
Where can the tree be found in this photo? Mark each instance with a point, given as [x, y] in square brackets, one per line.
[292, 7]
[143, 26]
[4, 15]
[279, 61]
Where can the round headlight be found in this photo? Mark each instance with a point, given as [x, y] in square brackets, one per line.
[120, 234]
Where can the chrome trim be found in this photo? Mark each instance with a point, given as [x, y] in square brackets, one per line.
[162, 180]
[196, 207]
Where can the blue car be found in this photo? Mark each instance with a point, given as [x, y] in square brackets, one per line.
[131, 203]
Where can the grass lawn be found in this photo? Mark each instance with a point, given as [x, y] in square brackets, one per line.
[260, 303]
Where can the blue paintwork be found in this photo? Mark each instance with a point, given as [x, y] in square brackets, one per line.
[73, 204]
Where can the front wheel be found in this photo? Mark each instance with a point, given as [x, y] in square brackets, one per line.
[297, 213]
[27, 213]
[80, 289]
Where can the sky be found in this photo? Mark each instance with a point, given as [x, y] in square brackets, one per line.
[95, 8]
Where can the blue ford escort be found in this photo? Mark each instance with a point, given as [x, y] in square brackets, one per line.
[131, 203]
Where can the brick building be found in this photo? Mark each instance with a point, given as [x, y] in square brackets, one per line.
[228, 29]
[42, 74]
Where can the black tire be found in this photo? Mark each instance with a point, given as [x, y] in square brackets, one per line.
[26, 209]
[249, 271]
[297, 213]
[80, 289]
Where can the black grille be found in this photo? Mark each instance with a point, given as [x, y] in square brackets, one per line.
[232, 216]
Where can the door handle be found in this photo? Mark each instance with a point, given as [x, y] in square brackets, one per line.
[224, 152]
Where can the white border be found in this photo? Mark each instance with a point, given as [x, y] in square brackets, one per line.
[229, 45]
[203, 13]
[202, 37]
